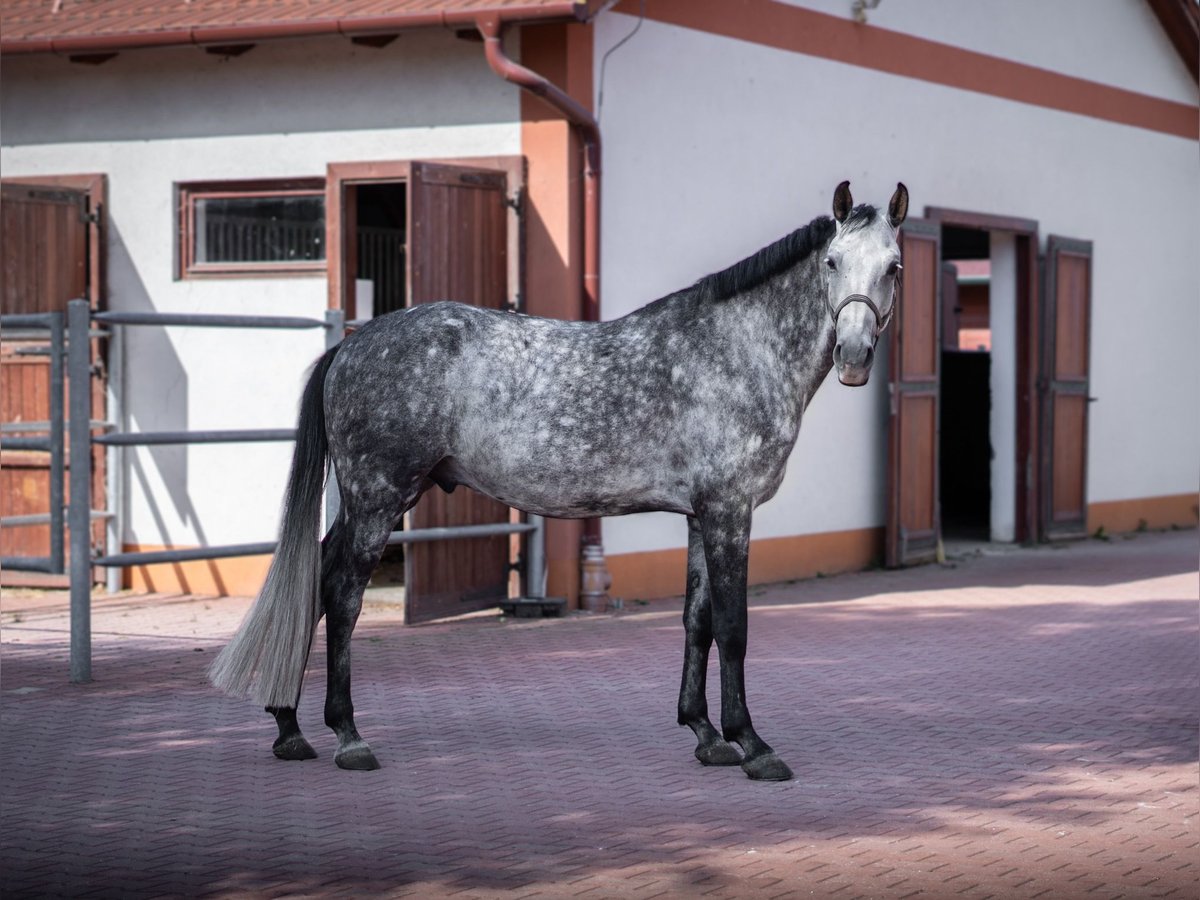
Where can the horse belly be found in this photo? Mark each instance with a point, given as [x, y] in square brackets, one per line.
[569, 489]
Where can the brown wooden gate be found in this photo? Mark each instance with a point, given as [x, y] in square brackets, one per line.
[44, 245]
[1063, 383]
[913, 513]
[457, 250]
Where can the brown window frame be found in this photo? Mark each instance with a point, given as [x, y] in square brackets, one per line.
[186, 195]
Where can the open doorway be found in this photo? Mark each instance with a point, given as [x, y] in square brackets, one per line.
[965, 440]
[375, 253]
[381, 215]
[399, 234]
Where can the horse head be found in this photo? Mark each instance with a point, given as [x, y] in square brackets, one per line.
[861, 271]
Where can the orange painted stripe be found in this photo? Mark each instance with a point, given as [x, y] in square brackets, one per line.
[239, 576]
[663, 573]
[798, 30]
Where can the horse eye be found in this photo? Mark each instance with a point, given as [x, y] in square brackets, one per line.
[829, 262]
[894, 268]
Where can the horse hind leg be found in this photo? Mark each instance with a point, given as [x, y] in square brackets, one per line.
[290, 744]
[355, 545]
[711, 748]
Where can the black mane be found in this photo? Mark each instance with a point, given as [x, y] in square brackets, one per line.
[775, 258]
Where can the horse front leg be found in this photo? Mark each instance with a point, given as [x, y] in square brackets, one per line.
[697, 621]
[726, 532]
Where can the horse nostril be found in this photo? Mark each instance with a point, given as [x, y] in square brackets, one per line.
[837, 355]
[870, 356]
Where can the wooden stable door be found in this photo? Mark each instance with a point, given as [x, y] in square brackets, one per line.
[1066, 318]
[457, 250]
[913, 512]
[44, 240]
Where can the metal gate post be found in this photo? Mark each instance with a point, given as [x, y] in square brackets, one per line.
[79, 374]
[58, 349]
[535, 570]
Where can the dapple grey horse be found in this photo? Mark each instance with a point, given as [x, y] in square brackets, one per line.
[691, 405]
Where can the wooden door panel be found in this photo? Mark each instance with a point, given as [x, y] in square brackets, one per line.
[457, 250]
[1064, 383]
[914, 514]
[917, 469]
[1072, 291]
[1070, 420]
[44, 247]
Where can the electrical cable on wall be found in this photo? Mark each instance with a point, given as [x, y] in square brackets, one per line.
[613, 49]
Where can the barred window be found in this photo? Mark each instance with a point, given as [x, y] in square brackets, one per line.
[252, 228]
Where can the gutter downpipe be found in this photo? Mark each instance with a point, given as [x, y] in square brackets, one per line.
[492, 29]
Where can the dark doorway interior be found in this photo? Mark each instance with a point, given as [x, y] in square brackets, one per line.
[965, 447]
[380, 287]
[381, 235]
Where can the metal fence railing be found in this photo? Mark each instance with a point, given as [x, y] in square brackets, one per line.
[77, 428]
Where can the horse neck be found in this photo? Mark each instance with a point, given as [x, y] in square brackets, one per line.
[785, 320]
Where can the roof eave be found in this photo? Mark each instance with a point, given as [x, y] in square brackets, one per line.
[566, 11]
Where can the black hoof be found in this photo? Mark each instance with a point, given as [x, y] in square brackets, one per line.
[356, 756]
[294, 747]
[767, 767]
[718, 753]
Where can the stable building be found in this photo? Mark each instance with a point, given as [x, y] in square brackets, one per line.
[289, 159]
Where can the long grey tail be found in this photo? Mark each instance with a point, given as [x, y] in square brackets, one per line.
[266, 657]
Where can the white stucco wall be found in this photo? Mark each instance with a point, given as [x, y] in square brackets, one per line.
[1002, 384]
[149, 119]
[714, 147]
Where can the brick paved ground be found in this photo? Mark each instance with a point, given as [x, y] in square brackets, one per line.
[1020, 725]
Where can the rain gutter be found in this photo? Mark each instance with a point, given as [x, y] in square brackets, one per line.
[350, 26]
[491, 27]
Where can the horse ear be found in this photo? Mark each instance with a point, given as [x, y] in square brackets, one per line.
[898, 206]
[842, 201]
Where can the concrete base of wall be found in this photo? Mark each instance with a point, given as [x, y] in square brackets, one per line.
[1116, 516]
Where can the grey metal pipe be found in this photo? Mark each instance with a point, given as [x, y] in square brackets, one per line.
[150, 557]
[57, 459]
[206, 320]
[27, 320]
[79, 371]
[535, 569]
[29, 564]
[416, 536]
[456, 532]
[43, 445]
[42, 519]
[148, 438]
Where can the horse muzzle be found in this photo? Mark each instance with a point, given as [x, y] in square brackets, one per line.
[855, 351]
[853, 362]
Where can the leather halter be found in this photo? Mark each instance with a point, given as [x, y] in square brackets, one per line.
[880, 321]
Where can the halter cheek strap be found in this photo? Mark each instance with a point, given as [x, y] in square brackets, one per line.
[880, 321]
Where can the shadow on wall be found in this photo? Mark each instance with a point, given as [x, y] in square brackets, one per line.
[154, 397]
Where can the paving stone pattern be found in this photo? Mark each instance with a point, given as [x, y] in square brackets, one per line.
[1021, 724]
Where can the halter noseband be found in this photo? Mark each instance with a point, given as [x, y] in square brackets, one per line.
[880, 322]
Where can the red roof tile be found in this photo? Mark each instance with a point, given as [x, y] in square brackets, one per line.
[67, 26]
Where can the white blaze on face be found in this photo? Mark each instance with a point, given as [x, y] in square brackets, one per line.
[863, 260]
